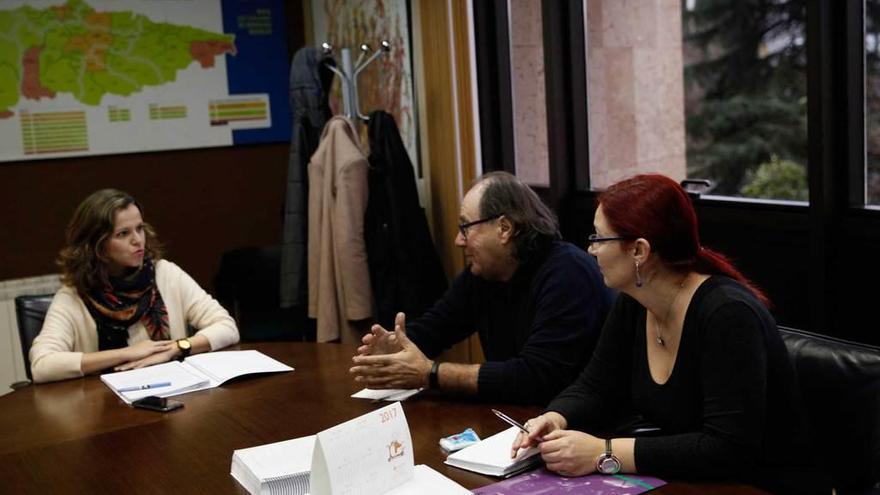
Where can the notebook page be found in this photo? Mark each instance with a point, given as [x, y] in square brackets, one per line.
[221, 366]
[426, 481]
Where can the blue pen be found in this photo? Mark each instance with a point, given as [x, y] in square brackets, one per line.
[144, 387]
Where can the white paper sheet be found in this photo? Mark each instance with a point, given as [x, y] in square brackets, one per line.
[391, 394]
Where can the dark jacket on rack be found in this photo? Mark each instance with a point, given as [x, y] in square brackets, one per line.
[310, 81]
[405, 269]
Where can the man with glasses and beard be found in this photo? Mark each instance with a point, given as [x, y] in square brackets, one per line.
[536, 302]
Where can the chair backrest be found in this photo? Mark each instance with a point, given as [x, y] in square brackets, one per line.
[30, 311]
[840, 383]
[248, 284]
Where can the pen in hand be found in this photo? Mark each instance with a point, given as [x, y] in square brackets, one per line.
[144, 387]
[512, 422]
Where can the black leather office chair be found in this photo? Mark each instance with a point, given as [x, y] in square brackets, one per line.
[30, 311]
[840, 382]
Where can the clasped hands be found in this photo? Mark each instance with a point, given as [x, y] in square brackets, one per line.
[147, 353]
[566, 452]
[390, 360]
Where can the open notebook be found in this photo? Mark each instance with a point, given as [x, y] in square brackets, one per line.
[198, 372]
[492, 456]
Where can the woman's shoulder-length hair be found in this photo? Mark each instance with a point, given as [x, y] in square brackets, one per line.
[82, 260]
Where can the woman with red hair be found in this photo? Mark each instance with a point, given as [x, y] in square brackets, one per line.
[689, 349]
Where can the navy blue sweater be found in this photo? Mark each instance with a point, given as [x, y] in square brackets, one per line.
[538, 329]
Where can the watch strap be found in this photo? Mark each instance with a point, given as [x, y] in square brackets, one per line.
[434, 376]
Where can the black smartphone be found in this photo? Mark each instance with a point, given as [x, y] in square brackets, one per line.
[154, 403]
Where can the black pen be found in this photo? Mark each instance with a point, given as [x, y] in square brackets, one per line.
[512, 422]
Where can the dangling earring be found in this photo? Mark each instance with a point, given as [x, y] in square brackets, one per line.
[638, 276]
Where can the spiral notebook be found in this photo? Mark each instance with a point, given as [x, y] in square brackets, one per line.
[280, 467]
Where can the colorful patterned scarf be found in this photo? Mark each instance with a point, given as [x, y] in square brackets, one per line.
[124, 302]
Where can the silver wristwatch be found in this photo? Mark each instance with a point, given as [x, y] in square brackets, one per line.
[608, 463]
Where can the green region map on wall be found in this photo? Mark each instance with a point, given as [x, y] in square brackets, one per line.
[86, 77]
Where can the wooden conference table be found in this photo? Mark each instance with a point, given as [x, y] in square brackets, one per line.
[76, 436]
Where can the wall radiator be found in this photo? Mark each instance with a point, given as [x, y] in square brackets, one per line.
[11, 361]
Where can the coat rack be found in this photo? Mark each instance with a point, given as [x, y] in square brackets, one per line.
[348, 73]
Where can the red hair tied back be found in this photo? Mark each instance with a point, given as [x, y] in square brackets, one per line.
[657, 208]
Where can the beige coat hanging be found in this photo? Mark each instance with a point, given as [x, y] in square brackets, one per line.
[339, 278]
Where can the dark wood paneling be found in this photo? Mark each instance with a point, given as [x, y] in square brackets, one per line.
[202, 202]
[438, 22]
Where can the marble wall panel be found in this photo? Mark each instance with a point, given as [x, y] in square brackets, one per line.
[635, 89]
[528, 88]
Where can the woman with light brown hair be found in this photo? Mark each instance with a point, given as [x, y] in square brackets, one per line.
[122, 306]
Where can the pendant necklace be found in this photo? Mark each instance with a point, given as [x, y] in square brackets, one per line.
[657, 326]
